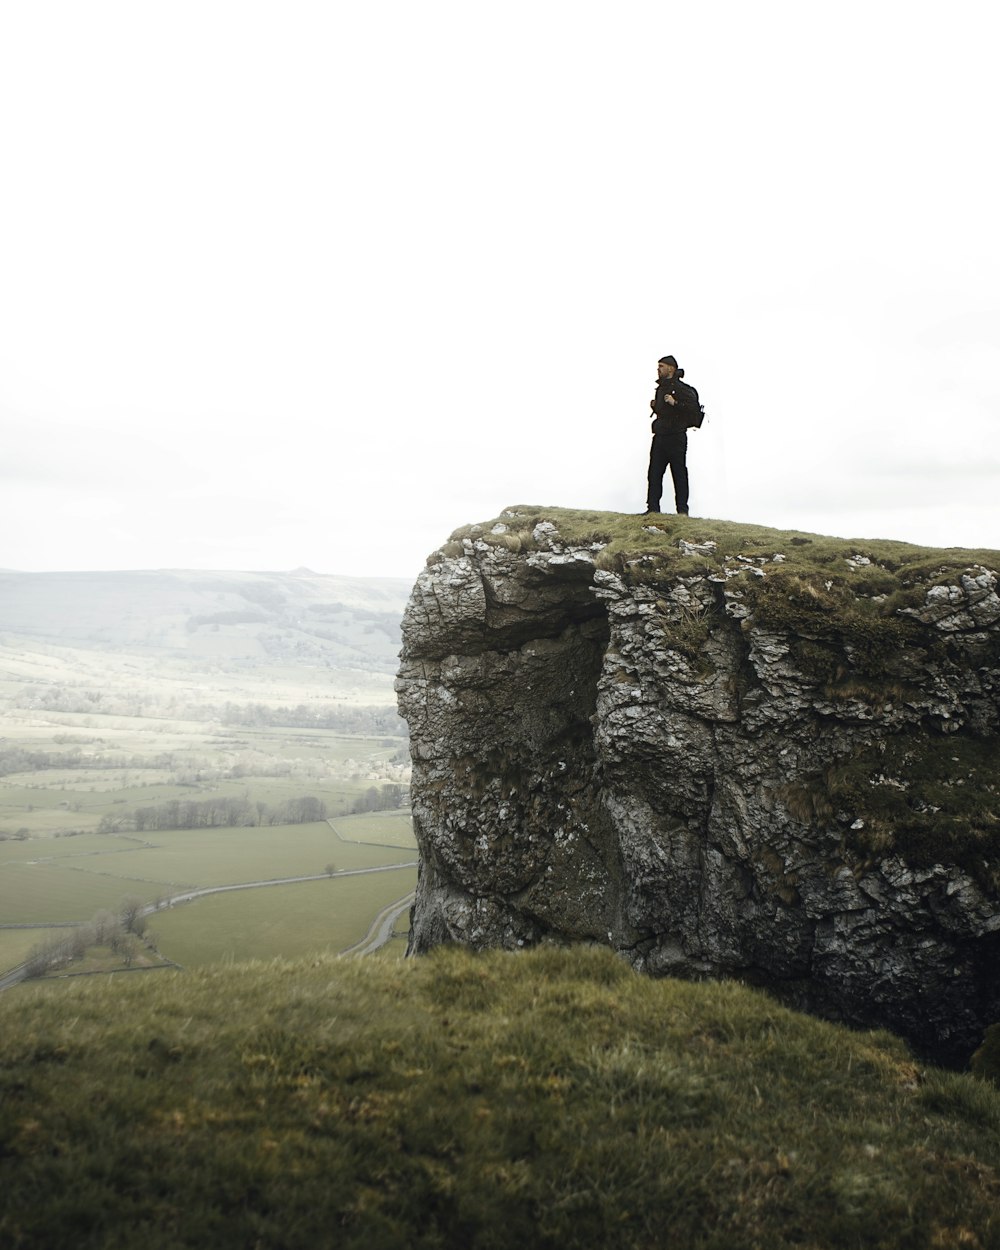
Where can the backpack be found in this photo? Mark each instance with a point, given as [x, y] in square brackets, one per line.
[694, 422]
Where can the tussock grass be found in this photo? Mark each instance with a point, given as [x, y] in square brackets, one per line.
[549, 1099]
[647, 548]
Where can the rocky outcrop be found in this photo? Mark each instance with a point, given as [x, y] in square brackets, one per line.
[719, 762]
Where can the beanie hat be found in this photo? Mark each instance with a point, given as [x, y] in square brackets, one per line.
[668, 360]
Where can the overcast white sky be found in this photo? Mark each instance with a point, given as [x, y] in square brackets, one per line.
[309, 283]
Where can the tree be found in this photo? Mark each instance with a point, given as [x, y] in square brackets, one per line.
[130, 911]
[48, 955]
[126, 947]
[104, 924]
[81, 939]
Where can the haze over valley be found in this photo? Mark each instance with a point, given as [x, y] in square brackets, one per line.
[215, 724]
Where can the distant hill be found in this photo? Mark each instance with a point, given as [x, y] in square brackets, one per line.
[299, 618]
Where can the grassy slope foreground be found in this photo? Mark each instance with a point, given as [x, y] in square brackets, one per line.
[548, 1099]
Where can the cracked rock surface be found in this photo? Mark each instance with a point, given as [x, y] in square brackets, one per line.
[645, 764]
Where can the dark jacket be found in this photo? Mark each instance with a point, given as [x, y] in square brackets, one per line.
[677, 417]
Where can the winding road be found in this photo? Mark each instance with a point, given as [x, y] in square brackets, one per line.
[380, 930]
[378, 933]
[188, 895]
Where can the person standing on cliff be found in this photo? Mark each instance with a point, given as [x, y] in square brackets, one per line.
[675, 408]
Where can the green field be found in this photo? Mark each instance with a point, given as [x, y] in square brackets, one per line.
[60, 879]
[230, 856]
[90, 734]
[54, 847]
[308, 917]
[57, 800]
[48, 893]
[384, 828]
[17, 944]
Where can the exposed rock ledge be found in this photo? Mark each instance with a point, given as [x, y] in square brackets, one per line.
[716, 760]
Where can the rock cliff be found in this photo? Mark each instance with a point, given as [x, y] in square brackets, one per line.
[720, 749]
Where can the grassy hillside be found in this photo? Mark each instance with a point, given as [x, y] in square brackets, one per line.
[549, 1099]
[257, 617]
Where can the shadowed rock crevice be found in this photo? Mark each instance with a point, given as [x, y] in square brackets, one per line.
[507, 814]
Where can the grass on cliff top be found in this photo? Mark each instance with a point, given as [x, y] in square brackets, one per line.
[548, 1099]
[840, 599]
[628, 537]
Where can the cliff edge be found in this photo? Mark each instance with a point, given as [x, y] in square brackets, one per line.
[720, 749]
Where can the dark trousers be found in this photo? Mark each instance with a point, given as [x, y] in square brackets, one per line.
[668, 449]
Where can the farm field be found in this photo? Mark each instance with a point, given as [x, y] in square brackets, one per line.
[310, 917]
[51, 881]
[17, 944]
[44, 847]
[104, 742]
[57, 880]
[384, 828]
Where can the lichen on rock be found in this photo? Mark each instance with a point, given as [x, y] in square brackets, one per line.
[723, 751]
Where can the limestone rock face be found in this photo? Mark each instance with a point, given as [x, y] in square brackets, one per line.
[660, 764]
